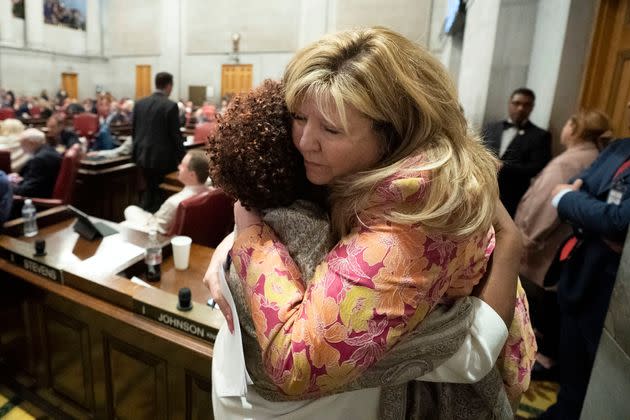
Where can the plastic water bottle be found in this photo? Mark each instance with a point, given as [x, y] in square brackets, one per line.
[30, 220]
[153, 257]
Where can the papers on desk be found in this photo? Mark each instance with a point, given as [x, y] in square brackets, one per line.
[231, 378]
[140, 282]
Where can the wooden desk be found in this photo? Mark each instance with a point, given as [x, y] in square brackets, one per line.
[106, 187]
[85, 345]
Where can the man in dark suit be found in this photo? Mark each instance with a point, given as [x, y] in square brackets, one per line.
[524, 149]
[598, 206]
[157, 142]
[37, 178]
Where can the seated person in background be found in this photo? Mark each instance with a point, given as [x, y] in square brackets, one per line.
[37, 178]
[6, 198]
[193, 172]
[58, 134]
[10, 130]
[124, 149]
[122, 114]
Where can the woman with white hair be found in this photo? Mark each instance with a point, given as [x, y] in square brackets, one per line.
[10, 130]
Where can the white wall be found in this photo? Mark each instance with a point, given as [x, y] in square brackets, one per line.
[558, 60]
[192, 38]
[511, 58]
[551, 27]
[34, 54]
[476, 60]
[411, 18]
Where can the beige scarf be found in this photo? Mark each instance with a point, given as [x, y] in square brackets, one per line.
[305, 230]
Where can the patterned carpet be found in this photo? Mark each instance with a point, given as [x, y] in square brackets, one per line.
[537, 399]
[10, 408]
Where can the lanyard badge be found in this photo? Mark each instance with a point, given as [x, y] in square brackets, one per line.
[615, 195]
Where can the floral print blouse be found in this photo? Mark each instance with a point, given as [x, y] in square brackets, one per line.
[376, 285]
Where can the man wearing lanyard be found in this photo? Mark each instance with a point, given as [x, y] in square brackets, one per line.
[598, 206]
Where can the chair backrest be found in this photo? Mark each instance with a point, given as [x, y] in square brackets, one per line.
[35, 112]
[66, 179]
[207, 217]
[203, 130]
[6, 113]
[5, 161]
[86, 124]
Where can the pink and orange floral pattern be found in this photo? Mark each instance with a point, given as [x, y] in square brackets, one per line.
[376, 285]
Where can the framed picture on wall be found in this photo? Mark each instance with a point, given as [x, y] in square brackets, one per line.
[68, 13]
[18, 8]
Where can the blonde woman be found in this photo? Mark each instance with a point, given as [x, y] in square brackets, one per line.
[10, 130]
[412, 197]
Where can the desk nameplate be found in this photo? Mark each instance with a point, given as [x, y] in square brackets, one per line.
[32, 265]
[176, 321]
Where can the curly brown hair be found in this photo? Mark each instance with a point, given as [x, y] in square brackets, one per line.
[252, 156]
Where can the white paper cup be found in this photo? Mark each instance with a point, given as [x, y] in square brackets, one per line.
[181, 251]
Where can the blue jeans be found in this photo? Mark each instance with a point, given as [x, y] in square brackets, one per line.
[103, 140]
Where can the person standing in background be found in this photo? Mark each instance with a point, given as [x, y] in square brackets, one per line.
[157, 143]
[524, 148]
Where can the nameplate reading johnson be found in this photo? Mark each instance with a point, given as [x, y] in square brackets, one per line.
[175, 321]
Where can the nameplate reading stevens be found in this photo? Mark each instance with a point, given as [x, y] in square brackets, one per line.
[175, 321]
[33, 266]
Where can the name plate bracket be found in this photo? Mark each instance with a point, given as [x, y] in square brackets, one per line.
[176, 321]
[32, 265]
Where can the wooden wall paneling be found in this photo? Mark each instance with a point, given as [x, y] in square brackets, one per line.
[139, 368]
[143, 80]
[136, 381]
[70, 83]
[236, 78]
[198, 397]
[606, 79]
[69, 358]
[15, 348]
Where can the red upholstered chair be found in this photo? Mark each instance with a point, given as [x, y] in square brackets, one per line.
[66, 180]
[35, 112]
[5, 161]
[86, 125]
[6, 113]
[203, 130]
[207, 218]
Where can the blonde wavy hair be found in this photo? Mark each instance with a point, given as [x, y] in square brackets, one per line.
[413, 105]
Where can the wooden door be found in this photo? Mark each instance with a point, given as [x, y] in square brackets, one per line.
[143, 80]
[70, 83]
[236, 78]
[606, 83]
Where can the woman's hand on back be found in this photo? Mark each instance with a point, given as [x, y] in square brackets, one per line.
[498, 289]
[212, 281]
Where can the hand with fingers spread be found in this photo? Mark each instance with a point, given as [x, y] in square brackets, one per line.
[212, 281]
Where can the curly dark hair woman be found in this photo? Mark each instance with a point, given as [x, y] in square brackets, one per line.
[252, 157]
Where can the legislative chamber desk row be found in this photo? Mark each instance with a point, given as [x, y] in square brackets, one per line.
[83, 340]
[106, 187]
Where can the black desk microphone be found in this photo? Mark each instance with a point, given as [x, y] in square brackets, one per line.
[184, 303]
